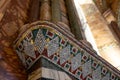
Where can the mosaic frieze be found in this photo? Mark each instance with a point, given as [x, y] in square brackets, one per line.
[76, 62]
[62, 52]
[39, 42]
[53, 46]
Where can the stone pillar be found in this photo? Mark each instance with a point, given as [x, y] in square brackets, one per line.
[33, 13]
[64, 16]
[45, 10]
[75, 24]
[56, 13]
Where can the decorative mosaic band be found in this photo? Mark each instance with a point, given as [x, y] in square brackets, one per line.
[44, 40]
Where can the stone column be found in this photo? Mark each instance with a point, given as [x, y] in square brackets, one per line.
[64, 16]
[75, 24]
[33, 13]
[45, 11]
[56, 13]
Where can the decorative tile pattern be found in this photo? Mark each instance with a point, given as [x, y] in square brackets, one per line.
[67, 66]
[40, 41]
[55, 58]
[106, 77]
[112, 77]
[96, 74]
[29, 61]
[29, 36]
[94, 64]
[64, 54]
[86, 68]
[21, 56]
[104, 70]
[85, 57]
[76, 62]
[20, 47]
[53, 46]
[74, 50]
[89, 78]
[50, 34]
[29, 49]
[63, 42]
[78, 74]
